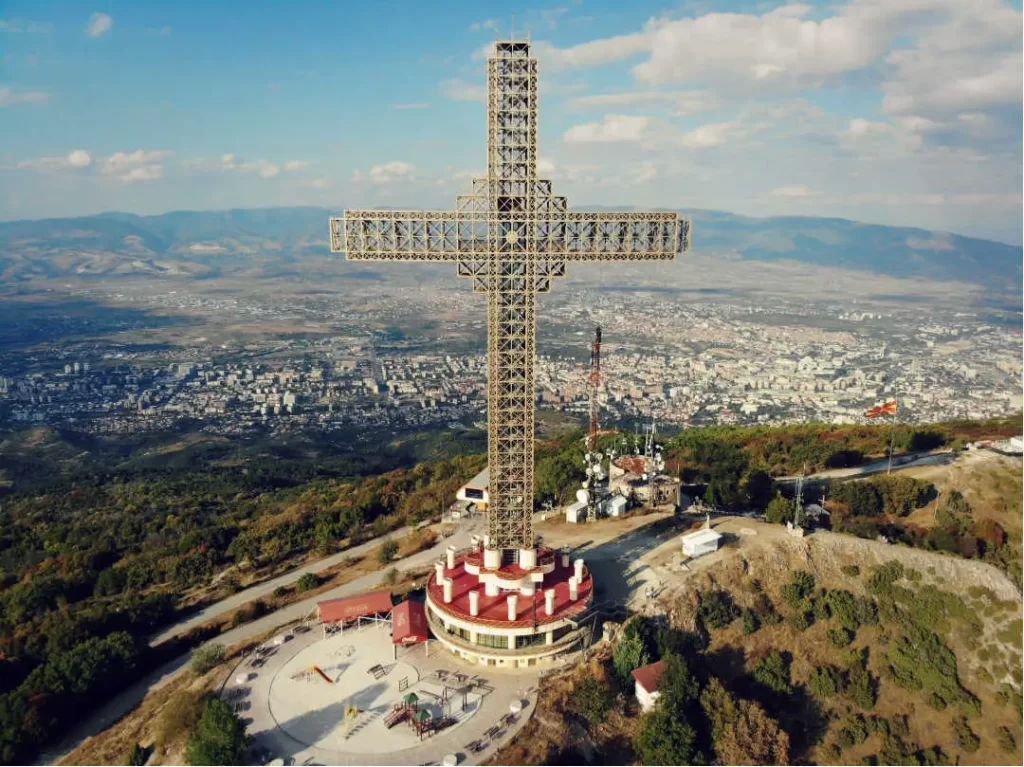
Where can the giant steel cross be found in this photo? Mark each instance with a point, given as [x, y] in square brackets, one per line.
[511, 236]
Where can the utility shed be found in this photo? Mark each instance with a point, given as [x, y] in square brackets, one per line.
[700, 543]
[648, 683]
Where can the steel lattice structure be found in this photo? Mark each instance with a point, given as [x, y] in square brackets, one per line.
[511, 236]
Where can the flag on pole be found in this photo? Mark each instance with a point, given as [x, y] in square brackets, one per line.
[888, 408]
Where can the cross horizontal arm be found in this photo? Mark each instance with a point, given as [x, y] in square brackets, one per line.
[408, 235]
[612, 236]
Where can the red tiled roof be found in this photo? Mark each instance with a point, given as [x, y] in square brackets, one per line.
[649, 677]
[494, 610]
[408, 623]
[350, 608]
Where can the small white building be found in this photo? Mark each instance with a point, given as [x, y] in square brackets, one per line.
[613, 506]
[700, 543]
[648, 683]
[1017, 444]
[576, 512]
[476, 490]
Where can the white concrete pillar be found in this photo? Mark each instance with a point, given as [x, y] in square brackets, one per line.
[472, 636]
[487, 540]
[512, 642]
[549, 601]
[513, 602]
[492, 558]
[574, 589]
[549, 638]
[439, 569]
[474, 603]
[448, 586]
[565, 560]
[450, 551]
[491, 589]
[579, 570]
[527, 558]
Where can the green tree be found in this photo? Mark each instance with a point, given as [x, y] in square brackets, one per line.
[388, 551]
[717, 609]
[630, 654]
[757, 489]
[665, 738]
[780, 510]
[206, 658]
[741, 731]
[219, 737]
[750, 621]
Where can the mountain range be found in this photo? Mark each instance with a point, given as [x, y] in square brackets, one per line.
[276, 241]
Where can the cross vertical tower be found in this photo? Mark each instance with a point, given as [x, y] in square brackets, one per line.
[511, 236]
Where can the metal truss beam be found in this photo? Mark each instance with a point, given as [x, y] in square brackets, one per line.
[511, 236]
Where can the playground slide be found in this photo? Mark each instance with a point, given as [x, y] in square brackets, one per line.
[321, 673]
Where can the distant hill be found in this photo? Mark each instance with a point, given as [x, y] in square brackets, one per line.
[211, 243]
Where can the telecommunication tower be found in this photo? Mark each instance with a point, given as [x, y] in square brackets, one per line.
[593, 382]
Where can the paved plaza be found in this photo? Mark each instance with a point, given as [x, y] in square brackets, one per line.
[299, 700]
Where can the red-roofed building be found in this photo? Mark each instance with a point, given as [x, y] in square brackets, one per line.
[409, 623]
[352, 608]
[648, 684]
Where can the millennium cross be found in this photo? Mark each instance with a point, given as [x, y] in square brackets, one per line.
[511, 236]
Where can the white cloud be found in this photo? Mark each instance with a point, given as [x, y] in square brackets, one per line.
[296, 165]
[479, 26]
[393, 171]
[140, 165]
[646, 173]
[614, 128]
[459, 90]
[682, 102]
[264, 168]
[545, 166]
[860, 128]
[10, 97]
[77, 159]
[793, 191]
[99, 24]
[410, 106]
[321, 183]
[713, 134]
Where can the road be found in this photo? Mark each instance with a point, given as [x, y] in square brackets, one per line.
[878, 467]
[97, 720]
[267, 587]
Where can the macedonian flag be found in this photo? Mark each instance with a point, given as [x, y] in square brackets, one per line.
[889, 408]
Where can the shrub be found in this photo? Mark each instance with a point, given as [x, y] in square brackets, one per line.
[772, 671]
[750, 621]
[834, 752]
[850, 570]
[798, 589]
[840, 637]
[801, 620]
[391, 576]
[855, 733]
[387, 552]
[206, 658]
[1009, 695]
[824, 681]
[178, 716]
[883, 578]
[860, 687]
[965, 737]
[138, 755]
[665, 738]
[780, 510]
[590, 700]
[1006, 740]
[279, 592]
[307, 582]
[936, 702]
[717, 609]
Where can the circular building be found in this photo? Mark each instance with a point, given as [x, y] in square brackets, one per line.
[508, 613]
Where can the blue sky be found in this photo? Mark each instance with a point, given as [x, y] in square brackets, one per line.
[891, 111]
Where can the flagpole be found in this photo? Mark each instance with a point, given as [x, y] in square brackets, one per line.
[892, 434]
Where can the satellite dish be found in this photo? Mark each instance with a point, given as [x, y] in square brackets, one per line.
[590, 470]
[598, 456]
[582, 496]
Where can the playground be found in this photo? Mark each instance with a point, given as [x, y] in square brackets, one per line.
[346, 699]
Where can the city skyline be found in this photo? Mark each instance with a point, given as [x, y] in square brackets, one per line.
[880, 113]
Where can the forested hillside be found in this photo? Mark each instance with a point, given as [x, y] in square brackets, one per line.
[91, 563]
